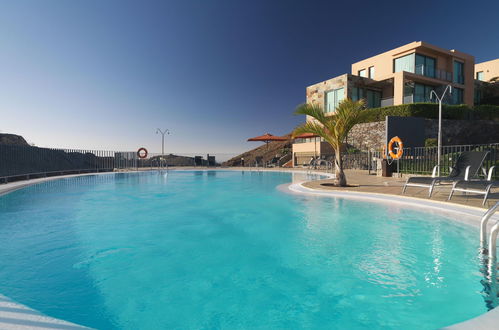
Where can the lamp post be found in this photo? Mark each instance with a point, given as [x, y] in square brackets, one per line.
[439, 143]
[163, 133]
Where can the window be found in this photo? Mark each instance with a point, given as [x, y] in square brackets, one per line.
[458, 72]
[333, 98]
[457, 96]
[404, 63]
[373, 99]
[362, 73]
[422, 93]
[357, 93]
[425, 65]
[371, 72]
[479, 75]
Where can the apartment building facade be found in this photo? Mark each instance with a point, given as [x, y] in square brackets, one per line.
[406, 74]
[487, 71]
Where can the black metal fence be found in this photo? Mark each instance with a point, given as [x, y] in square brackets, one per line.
[26, 162]
[17, 162]
[421, 160]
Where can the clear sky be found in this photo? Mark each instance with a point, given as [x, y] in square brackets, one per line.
[105, 74]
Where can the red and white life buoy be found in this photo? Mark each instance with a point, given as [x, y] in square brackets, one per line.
[142, 153]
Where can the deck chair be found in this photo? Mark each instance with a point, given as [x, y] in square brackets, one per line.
[481, 187]
[312, 164]
[273, 162]
[467, 166]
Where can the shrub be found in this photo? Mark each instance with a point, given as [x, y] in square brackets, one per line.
[430, 142]
[486, 112]
[430, 110]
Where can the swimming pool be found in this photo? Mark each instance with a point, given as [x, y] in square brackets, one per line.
[228, 250]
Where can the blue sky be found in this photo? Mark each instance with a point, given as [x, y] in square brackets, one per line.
[105, 74]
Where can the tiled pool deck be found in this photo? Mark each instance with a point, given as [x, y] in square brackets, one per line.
[365, 183]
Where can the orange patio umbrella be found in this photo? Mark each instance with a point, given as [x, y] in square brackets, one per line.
[267, 138]
[306, 136]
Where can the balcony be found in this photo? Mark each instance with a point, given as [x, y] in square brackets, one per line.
[430, 71]
[386, 102]
[443, 75]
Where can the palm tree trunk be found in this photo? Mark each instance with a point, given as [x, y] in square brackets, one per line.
[340, 178]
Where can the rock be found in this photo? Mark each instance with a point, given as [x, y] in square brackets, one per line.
[264, 151]
[12, 139]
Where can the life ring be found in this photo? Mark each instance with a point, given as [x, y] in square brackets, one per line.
[142, 153]
[400, 150]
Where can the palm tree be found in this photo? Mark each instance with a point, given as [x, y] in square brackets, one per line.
[333, 129]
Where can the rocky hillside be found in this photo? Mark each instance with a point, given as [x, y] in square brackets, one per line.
[267, 152]
[172, 160]
[12, 139]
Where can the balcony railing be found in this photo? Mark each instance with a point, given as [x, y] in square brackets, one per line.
[408, 99]
[386, 102]
[443, 75]
[430, 71]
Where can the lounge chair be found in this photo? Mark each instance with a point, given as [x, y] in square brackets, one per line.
[273, 162]
[481, 187]
[467, 166]
[312, 164]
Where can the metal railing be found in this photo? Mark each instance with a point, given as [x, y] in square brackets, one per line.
[422, 160]
[30, 162]
[489, 256]
[27, 162]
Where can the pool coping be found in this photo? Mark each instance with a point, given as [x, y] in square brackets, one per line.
[488, 320]
[14, 315]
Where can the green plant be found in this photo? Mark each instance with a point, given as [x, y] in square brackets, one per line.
[430, 110]
[333, 129]
[430, 142]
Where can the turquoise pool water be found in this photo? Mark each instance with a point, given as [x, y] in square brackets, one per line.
[228, 250]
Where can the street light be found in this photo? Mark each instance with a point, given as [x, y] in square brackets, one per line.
[163, 133]
[439, 143]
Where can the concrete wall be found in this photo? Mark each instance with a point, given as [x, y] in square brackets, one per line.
[410, 129]
[383, 64]
[455, 132]
[490, 69]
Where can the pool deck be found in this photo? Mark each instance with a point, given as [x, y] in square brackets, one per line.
[365, 183]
